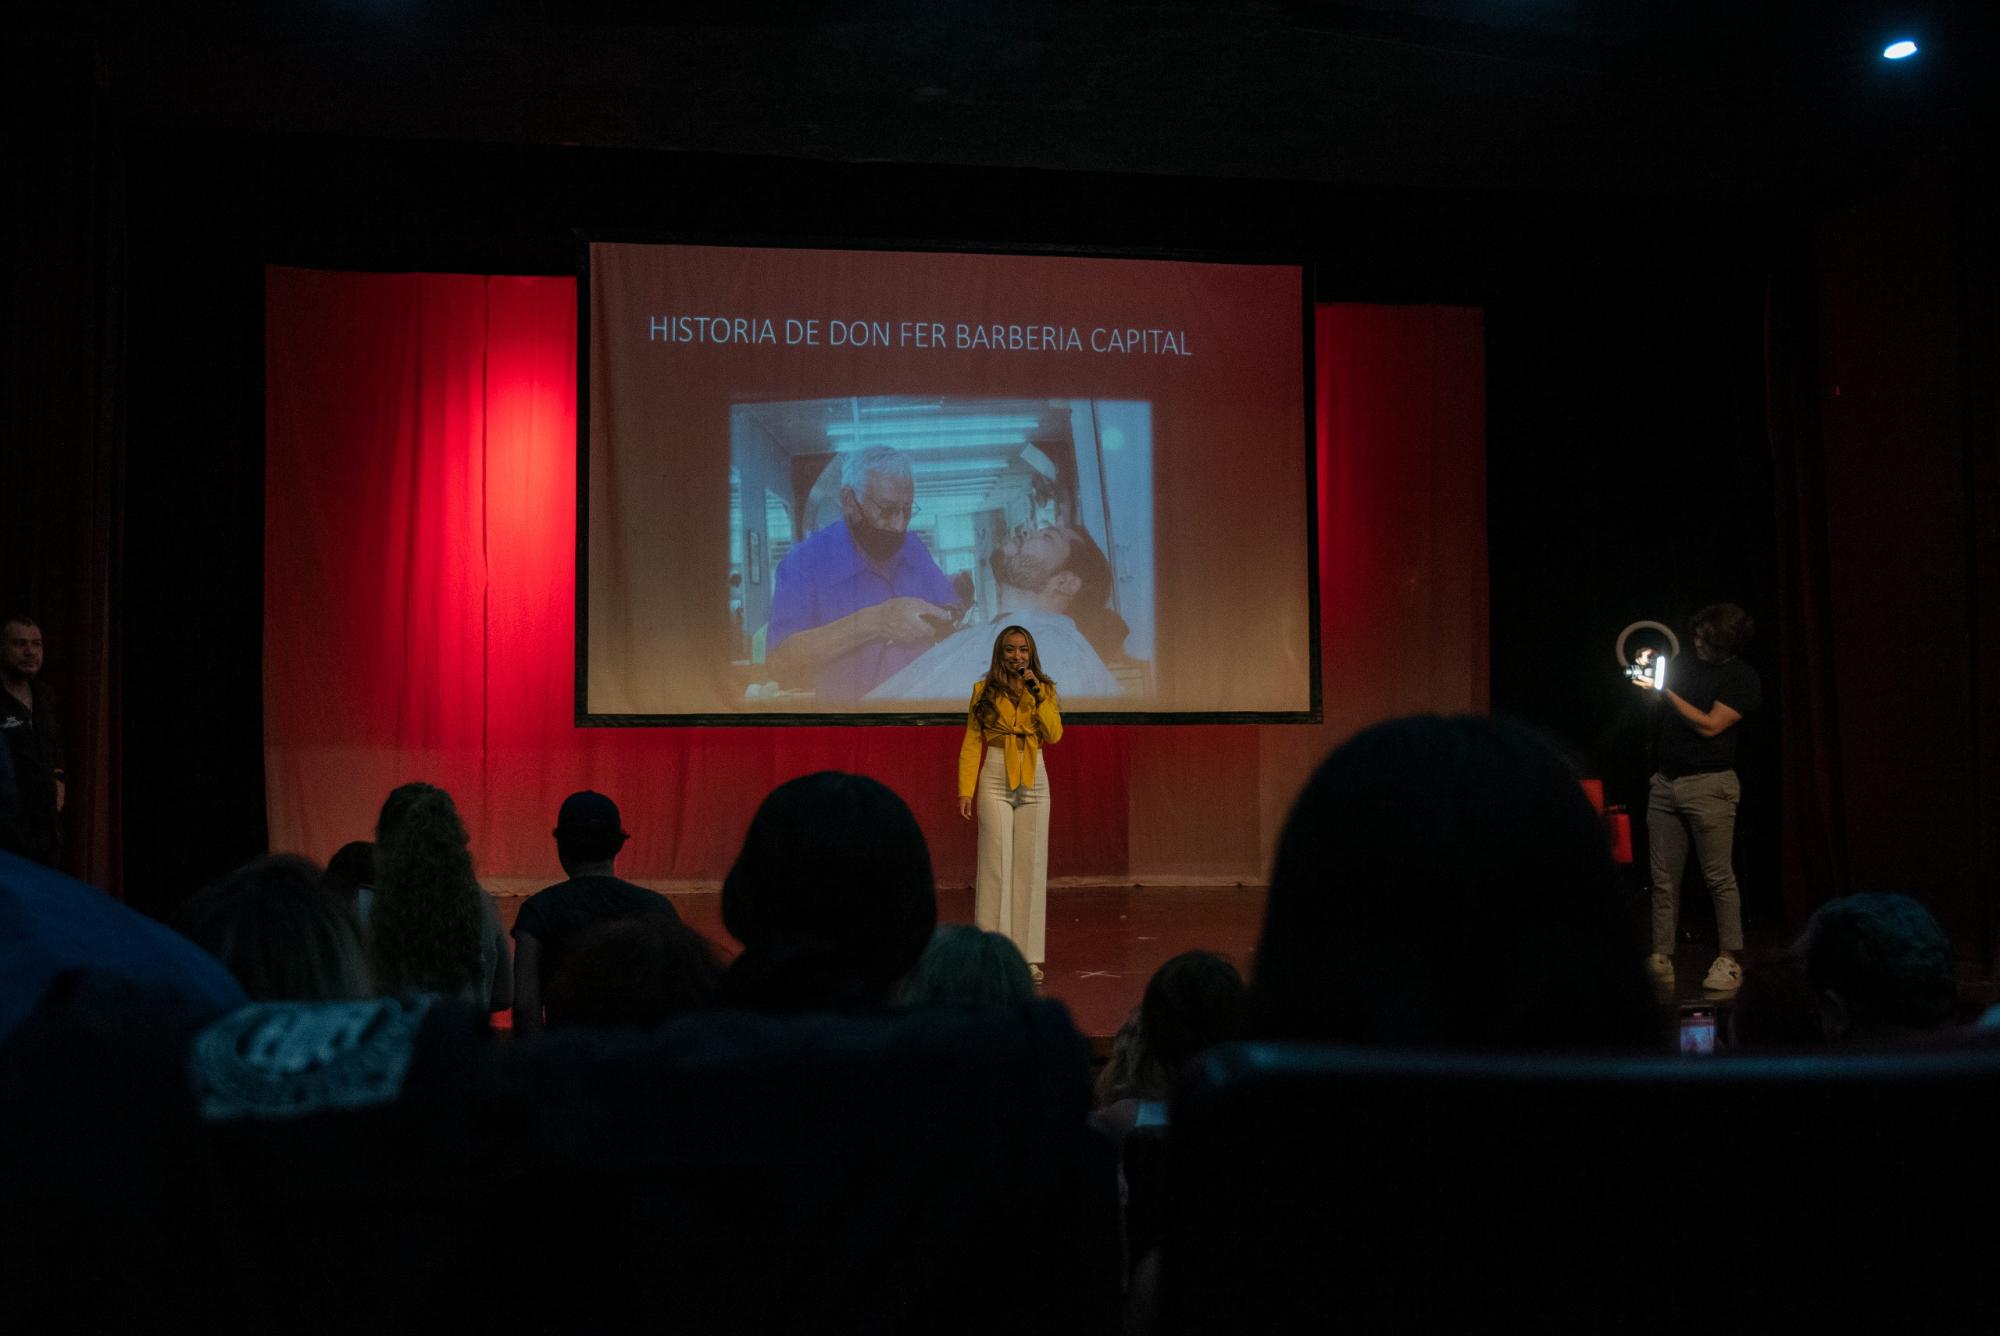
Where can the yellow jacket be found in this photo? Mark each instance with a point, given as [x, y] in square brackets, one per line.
[1021, 731]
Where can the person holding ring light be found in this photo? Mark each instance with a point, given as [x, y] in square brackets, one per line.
[1694, 792]
[1013, 715]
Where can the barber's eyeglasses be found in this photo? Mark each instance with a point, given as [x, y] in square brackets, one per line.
[880, 514]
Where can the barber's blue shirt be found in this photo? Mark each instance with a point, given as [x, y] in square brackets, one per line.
[826, 577]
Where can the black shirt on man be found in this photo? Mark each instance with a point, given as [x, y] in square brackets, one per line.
[1682, 751]
[556, 915]
[34, 737]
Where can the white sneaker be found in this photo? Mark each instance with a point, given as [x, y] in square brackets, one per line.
[1661, 967]
[1724, 976]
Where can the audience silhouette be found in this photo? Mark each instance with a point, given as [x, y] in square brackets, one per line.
[1192, 1003]
[832, 897]
[1444, 883]
[965, 967]
[864, 1113]
[276, 928]
[1879, 970]
[350, 876]
[632, 972]
[432, 927]
[589, 834]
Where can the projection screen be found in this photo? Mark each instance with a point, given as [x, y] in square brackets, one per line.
[816, 484]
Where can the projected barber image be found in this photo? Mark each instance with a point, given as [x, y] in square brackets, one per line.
[896, 536]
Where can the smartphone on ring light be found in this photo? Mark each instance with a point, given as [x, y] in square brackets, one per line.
[1650, 667]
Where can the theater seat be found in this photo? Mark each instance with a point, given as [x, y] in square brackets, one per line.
[1321, 1188]
[1143, 1157]
[900, 1171]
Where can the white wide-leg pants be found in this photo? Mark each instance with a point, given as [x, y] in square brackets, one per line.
[1013, 890]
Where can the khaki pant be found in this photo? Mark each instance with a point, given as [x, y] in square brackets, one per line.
[1012, 895]
[1698, 810]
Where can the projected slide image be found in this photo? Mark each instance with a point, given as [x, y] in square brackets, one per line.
[816, 484]
[877, 546]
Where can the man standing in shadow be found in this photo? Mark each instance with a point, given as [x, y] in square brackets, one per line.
[34, 743]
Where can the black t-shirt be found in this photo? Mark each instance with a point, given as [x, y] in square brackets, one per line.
[34, 739]
[1683, 751]
[556, 915]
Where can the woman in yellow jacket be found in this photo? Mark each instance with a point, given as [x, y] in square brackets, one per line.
[1013, 716]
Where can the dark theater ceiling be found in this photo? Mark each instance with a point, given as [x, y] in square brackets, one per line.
[1625, 96]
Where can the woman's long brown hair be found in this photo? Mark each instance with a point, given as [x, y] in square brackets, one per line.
[429, 922]
[997, 684]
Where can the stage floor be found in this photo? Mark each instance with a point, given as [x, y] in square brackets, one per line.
[1104, 941]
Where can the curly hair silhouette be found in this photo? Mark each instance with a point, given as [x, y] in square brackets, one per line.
[428, 924]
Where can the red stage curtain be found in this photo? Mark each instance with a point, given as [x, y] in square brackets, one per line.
[1884, 347]
[420, 584]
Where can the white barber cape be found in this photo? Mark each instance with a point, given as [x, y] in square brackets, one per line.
[947, 670]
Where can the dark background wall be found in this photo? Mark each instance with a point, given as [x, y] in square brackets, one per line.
[1615, 190]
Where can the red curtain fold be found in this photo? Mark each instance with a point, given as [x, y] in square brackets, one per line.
[1883, 434]
[1813, 831]
[420, 588]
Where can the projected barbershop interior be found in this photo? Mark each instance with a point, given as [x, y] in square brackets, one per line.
[1035, 510]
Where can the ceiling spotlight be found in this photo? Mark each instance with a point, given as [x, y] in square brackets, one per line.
[1899, 50]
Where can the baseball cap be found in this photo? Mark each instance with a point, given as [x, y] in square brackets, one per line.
[588, 810]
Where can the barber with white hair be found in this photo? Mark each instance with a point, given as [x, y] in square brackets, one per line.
[850, 604]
